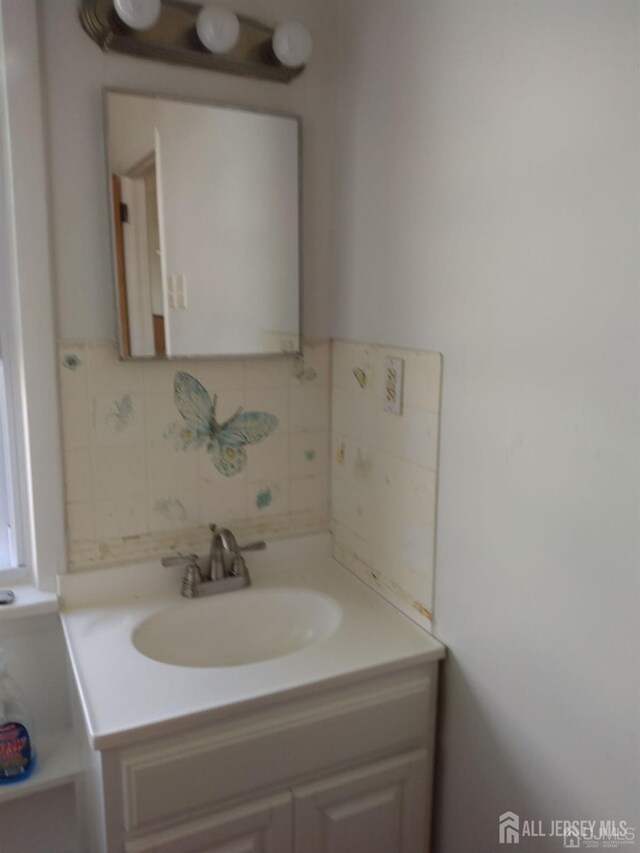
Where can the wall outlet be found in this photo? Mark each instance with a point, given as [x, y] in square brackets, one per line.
[393, 385]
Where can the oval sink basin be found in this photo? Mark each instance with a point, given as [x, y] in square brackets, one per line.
[237, 628]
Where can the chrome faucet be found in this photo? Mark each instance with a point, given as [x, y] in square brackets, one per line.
[226, 570]
[225, 556]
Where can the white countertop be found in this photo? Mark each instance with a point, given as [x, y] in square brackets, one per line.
[126, 695]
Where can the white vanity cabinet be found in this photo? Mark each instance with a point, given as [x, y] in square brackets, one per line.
[344, 770]
[380, 808]
[265, 826]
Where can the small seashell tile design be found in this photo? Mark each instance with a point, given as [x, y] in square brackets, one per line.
[384, 470]
[133, 492]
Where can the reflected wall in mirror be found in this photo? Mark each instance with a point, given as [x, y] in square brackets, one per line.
[206, 227]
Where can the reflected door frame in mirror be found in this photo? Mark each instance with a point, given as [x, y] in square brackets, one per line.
[205, 204]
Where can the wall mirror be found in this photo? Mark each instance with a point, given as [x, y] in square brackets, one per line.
[205, 215]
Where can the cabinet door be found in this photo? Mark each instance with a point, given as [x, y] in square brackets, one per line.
[380, 808]
[259, 827]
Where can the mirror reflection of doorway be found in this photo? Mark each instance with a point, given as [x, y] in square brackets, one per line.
[228, 189]
[138, 260]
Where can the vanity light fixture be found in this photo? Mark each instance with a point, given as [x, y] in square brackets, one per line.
[138, 14]
[218, 28]
[184, 32]
[292, 44]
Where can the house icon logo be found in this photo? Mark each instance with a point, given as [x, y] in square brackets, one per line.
[509, 828]
[572, 838]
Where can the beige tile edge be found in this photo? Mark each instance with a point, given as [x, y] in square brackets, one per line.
[149, 546]
[347, 558]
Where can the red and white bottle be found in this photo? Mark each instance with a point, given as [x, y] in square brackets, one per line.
[17, 749]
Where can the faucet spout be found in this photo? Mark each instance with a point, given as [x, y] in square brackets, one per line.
[226, 558]
[224, 549]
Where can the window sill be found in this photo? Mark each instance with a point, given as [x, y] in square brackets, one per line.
[30, 601]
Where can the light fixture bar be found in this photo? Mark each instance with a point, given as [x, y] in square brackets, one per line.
[174, 39]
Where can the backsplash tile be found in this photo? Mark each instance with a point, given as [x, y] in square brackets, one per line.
[309, 453]
[267, 499]
[269, 459]
[133, 490]
[117, 420]
[73, 372]
[310, 495]
[307, 409]
[76, 420]
[173, 513]
[384, 473]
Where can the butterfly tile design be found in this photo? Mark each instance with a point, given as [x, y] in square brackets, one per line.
[72, 369]
[361, 377]
[170, 508]
[225, 443]
[264, 498]
[71, 361]
[121, 412]
[302, 372]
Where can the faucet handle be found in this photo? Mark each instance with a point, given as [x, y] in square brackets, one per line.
[192, 573]
[182, 560]
[192, 577]
[260, 545]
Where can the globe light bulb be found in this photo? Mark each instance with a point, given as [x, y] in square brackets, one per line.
[138, 14]
[218, 28]
[292, 44]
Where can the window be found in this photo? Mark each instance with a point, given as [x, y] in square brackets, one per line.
[8, 556]
[6, 551]
[12, 469]
[32, 545]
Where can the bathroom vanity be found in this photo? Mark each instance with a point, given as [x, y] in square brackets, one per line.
[294, 715]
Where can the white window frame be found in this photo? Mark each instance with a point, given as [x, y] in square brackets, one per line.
[27, 327]
[8, 526]
[14, 421]
[10, 430]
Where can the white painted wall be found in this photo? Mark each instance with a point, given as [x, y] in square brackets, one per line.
[489, 208]
[76, 71]
[131, 130]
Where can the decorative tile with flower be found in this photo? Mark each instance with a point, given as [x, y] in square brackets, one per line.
[224, 442]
